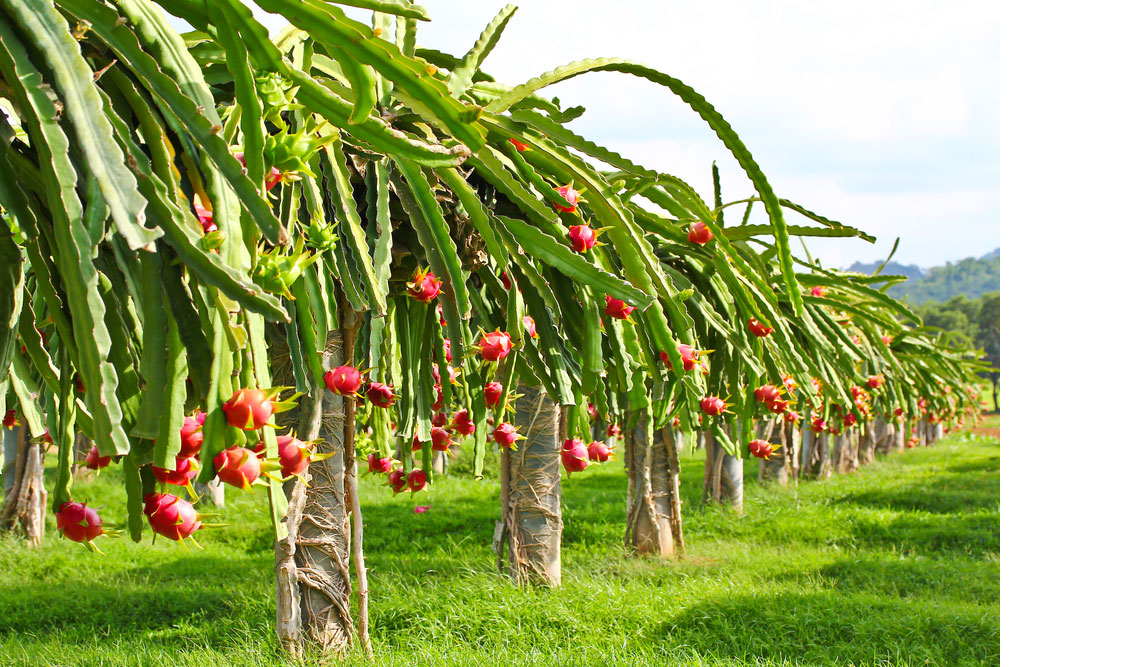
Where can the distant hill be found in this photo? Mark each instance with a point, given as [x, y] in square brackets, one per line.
[971, 277]
[912, 271]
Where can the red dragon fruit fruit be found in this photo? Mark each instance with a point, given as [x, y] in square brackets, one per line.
[416, 480]
[758, 328]
[767, 394]
[206, 217]
[582, 238]
[617, 308]
[599, 452]
[492, 393]
[397, 480]
[495, 345]
[699, 233]
[184, 473]
[506, 435]
[191, 436]
[574, 456]
[171, 516]
[78, 522]
[462, 423]
[379, 394]
[440, 440]
[238, 466]
[249, 409]
[424, 286]
[93, 461]
[295, 456]
[376, 463]
[343, 380]
[571, 196]
[761, 449]
[712, 405]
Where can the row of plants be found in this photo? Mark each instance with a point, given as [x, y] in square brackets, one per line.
[260, 259]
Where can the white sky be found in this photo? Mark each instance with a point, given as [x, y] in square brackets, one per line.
[882, 115]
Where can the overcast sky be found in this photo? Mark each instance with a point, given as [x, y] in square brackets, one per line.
[882, 115]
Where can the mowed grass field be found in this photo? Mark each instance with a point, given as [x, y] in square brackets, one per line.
[895, 565]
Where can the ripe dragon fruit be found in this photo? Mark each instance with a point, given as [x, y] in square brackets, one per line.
[617, 308]
[506, 435]
[185, 471]
[495, 346]
[191, 435]
[767, 394]
[295, 456]
[599, 452]
[574, 456]
[699, 233]
[416, 480]
[712, 406]
[440, 440]
[582, 238]
[379, 394]
[424, 286]
[761, 449]
[239, 467]
[462, 423]
[249, 409]
[78, 522]
[343, 380]
[171, 516]
[492, 393]
[570, 195]
[378, 464]
[93, 461]
[397, 480]
[689, 357]
[758, 328]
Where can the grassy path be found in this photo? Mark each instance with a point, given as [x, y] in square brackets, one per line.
[895, 565]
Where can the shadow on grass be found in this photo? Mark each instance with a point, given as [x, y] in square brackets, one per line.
[989, 464]
[891, 576]
[939, 493]
[835, 628]
[187, 592]
[975, 535]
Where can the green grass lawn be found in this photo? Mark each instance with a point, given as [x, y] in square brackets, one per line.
[895, 565]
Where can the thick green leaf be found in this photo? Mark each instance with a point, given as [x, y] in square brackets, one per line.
[83, 111]
[168, 94]
[434, 235]
[413, 86]
[545, 248]
[709, 113]
[71, 248]
[461, 77]
[11, 301]
[168, 442]
[406, 10]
